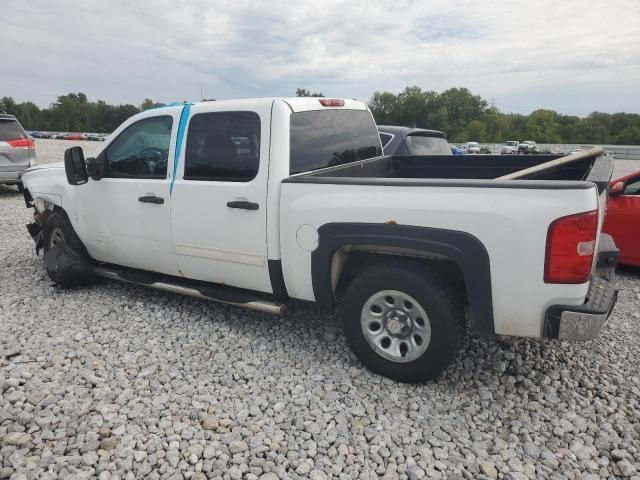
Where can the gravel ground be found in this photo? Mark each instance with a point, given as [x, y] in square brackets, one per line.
[114, 381]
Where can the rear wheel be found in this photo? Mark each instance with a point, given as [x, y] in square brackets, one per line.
[403, 321]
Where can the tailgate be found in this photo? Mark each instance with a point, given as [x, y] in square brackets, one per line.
[12, 158]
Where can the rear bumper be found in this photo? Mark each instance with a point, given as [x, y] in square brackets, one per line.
[11, 177]
[584, 322]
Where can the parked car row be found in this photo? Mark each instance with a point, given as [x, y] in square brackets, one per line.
[96, 137]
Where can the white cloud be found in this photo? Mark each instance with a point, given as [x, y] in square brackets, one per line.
[575, 56]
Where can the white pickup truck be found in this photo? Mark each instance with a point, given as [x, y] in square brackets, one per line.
[255, 202]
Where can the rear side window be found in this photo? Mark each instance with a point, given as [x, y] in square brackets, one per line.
[423, 145]
[325, 138]
[10, 130]
[223, 146]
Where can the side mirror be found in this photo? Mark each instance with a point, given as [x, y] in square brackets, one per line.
[617, 189]
[75, 166]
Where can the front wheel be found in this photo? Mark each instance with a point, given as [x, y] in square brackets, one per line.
[68, 265]
[403, 321]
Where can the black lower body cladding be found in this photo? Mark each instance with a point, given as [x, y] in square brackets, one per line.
[460, 247]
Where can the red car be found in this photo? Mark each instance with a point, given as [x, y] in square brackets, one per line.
[73, 136]
[623, 217]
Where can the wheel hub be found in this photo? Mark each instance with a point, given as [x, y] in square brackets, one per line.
[395, 325]
[398, 323]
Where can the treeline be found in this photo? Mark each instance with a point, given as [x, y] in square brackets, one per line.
[456, 111]
[468, 117]
[73, 113]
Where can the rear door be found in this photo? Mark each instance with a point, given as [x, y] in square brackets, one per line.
[15, 149]
[218, 200]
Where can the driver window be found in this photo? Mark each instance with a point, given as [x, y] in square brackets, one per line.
[140, 151]
[632, 188]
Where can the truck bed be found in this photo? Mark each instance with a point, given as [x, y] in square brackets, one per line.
[464, 170]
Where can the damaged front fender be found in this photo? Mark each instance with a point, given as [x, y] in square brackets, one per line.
[67, 268]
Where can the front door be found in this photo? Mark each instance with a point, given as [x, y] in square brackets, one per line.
[218, 201]
[623, 221]
[124, 218]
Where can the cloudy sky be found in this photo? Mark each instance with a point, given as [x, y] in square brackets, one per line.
[574, 56]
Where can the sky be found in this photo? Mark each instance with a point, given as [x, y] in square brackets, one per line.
[573, 56]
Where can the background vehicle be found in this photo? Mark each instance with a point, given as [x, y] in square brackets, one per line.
[509, 147]
[412, 141]
[17, 151]
[267, 199]
[471, 147]
[38, 134]
[528, 146]
[623, 217]
[73, 136]
[455, 150]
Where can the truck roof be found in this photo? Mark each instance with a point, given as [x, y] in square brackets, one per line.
[296, 104]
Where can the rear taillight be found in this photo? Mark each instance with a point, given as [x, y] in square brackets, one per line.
[331, 102]
[570, 246]
[22, 143]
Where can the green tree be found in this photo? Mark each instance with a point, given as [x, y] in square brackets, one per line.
[301, 92]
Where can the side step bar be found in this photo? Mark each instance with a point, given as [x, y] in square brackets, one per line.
[217, 293]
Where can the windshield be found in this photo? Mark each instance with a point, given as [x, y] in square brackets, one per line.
[473, 144]
[325, 138]
[421, 145]
[511, 144]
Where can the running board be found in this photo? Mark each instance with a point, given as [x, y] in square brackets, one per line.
[217, 293]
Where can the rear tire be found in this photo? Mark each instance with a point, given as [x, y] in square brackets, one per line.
[382, 317]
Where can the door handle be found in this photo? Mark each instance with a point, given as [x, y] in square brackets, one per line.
[151, 199]
[243, 204]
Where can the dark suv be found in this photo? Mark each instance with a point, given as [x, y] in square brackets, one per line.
[17, 151]
[413, 141]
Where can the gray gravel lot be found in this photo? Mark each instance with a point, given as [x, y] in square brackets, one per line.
[115, 381]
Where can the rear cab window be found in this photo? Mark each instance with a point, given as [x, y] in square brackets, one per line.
[326, 138]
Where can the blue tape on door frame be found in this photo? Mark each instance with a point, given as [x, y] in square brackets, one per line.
[184, 117]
